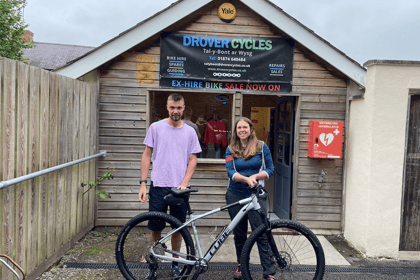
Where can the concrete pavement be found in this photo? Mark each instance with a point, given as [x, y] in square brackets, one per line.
[226, 253]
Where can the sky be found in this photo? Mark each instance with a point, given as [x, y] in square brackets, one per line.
[362, 29]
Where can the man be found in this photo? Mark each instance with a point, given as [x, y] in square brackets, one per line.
[215, 133]
[174, 146]
[187, 120]
[201, 123]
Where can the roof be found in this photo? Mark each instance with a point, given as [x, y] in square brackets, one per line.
[52, 56]
[182, 8]
[391, 62]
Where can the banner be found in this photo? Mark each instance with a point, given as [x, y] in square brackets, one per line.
[237, 86]
[219, 58]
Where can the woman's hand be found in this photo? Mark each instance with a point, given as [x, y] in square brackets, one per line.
[251, 181]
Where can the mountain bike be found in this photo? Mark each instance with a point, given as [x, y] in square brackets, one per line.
[295, 250]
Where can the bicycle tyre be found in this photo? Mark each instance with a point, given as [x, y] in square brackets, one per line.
[296, 244]
[132, 249]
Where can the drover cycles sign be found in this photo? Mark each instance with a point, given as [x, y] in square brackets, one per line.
[240, 63]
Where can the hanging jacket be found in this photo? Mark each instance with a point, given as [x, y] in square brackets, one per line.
[215, 133]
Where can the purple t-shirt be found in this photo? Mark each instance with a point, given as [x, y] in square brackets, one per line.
[171, 150]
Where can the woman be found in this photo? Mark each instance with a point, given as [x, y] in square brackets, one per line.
[244, 161]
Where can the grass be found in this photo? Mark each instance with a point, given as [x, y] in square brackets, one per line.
[95, 251]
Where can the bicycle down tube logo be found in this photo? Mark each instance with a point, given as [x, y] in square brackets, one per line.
[218, 243]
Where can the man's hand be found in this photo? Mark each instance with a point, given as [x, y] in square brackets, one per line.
[182, 187]
[142, 193]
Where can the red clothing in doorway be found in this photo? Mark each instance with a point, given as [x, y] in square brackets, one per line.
[215, 133]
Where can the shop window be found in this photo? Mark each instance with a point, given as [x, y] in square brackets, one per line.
[211, 112]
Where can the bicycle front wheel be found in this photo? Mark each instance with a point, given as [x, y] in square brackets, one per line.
[133, 247]
[301, 254]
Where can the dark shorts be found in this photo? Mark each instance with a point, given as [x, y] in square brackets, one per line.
[157, 203]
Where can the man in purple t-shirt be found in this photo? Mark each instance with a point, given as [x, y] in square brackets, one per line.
[174, 146]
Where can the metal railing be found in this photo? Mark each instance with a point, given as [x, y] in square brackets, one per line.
[10, 268]
[8, 183]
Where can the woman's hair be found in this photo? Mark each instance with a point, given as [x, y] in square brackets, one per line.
[253, 146]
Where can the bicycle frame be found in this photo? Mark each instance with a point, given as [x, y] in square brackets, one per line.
[250, 203]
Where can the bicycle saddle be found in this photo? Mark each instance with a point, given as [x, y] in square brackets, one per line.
[179, 193]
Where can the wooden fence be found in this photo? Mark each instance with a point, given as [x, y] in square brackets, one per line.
[45, 120]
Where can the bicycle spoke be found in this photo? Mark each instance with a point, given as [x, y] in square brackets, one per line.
[300, 259]
[134, 247]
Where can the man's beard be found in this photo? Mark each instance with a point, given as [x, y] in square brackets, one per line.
[175, 117]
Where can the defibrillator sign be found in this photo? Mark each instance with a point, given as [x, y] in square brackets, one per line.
[325, 139]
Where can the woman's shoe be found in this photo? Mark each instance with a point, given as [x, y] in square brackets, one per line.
[237, 274]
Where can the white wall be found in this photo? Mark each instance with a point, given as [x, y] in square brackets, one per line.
[375, 158]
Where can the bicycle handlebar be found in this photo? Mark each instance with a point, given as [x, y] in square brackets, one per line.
[259, 188]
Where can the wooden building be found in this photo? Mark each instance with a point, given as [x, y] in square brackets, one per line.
[130, 75]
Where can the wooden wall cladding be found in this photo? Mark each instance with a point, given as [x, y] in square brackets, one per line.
[124, 86]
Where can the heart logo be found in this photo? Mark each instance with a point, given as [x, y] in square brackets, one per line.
[326, 139]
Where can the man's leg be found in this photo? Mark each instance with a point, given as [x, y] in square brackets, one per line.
[155, 236]
[176, 240]
[179, 212]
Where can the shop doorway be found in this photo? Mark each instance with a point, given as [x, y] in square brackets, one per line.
[283, 152]
[410, 226]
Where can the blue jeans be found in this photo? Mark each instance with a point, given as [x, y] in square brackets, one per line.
[240, 232]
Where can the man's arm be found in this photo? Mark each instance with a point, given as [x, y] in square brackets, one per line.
[145, 164]
[192, 164]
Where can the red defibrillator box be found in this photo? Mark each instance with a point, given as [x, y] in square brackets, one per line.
[325, 139]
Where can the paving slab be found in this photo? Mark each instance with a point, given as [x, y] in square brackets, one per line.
[332, 256]
[227, 253]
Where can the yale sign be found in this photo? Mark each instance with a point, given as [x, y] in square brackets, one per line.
[227, 12]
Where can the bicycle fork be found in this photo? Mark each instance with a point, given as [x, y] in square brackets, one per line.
[281, 262]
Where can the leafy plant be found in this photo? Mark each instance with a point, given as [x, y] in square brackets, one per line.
[12, 28]
[102, 194]
[106, 231]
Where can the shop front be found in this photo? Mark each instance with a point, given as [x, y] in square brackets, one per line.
[226, 68]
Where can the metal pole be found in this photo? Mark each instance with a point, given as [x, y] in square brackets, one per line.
[11, 269]
[5, 184]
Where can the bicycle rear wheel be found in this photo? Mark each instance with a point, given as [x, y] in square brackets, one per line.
[302, 256]
[133, 246]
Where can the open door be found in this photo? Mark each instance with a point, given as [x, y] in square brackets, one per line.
[285, 116]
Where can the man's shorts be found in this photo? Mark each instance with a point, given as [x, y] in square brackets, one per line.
[157, 203]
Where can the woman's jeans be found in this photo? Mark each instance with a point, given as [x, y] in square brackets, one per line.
[240, 232]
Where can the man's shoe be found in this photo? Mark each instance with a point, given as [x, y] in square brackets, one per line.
[237, 274]
[175, 271]
[270, 277]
